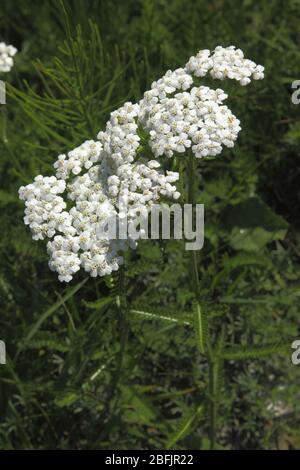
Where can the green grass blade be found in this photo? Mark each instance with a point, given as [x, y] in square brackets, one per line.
[184, 427]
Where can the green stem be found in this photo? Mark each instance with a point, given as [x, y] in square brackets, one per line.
[4, 123]
[213, 383]
[191, 199]
[200, 315]
[191, 179]
[121, 304]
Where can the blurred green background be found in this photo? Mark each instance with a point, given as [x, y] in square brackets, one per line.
[77, 376]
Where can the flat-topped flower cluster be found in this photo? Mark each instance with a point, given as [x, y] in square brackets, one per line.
[180, 117]
[6, 57]
[100, 180]
[111, 177]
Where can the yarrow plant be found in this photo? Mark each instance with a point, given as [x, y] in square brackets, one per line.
[114, 177]
[110, 177]
[6, 57]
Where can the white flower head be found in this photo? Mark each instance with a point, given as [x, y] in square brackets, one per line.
[179, 116]
[6, 57]
[99, 180]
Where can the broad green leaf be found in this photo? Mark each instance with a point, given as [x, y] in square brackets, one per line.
[252, 224]
[253, 239]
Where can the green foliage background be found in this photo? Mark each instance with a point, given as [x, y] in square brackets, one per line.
[79, 375]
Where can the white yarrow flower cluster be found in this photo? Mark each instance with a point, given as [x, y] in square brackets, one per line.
[181, 117]
[109, 178]
[225, 62]
[6, 57]
[101, 181]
